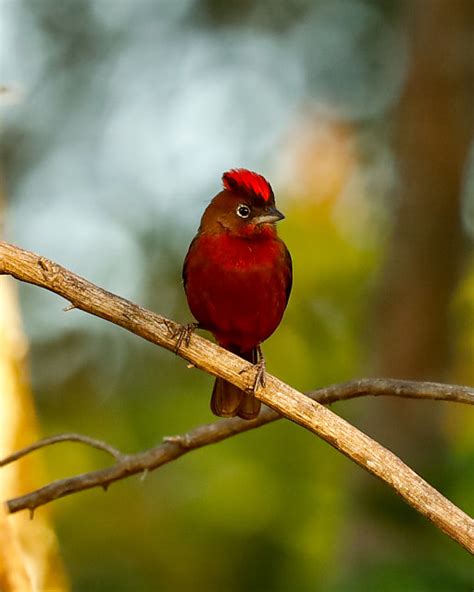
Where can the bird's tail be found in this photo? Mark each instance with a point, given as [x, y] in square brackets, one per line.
[228, 400]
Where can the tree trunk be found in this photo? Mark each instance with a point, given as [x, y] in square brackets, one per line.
[433, 130]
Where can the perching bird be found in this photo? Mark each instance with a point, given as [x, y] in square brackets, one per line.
[237, 277]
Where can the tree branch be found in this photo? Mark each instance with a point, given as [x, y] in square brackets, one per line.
[175, 446]
[370, 455]
[99, 444]
[406, 389]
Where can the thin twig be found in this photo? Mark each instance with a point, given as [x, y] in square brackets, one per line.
[175, 446]
[327, 395]
[369, 454]
[407, 389]
[204, 435]
[99, 444]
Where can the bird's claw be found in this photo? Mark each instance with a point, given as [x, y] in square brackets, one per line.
[259, 380]
[171, 327]
[183, 334]
[260, 376]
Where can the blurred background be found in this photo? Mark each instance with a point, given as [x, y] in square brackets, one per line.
[117, 119]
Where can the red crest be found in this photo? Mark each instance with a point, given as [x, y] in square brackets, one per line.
[248, 182]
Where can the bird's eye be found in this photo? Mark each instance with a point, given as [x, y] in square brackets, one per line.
[243, 211]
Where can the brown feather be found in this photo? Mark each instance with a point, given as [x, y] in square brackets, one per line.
[228, 400]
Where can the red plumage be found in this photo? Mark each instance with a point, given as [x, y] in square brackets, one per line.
[237, 277]
[248, 181]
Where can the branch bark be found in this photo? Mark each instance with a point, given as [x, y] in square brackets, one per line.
[370, 455]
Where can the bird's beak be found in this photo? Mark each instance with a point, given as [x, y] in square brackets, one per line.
[270, 216]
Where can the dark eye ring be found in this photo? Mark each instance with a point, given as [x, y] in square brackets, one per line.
[243, 211]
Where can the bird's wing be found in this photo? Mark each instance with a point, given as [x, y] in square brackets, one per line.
[184, 274]
[289, 267]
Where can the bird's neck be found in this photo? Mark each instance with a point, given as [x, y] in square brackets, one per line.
[252, 232]
[237, 252]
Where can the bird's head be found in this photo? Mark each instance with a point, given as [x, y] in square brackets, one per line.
[246, 206]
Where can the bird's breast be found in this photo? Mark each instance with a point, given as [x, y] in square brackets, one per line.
[237, 288]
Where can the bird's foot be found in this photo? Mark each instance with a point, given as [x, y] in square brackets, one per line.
[183, 334]
[260, 376]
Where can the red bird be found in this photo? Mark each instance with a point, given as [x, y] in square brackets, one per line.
[237, 278]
